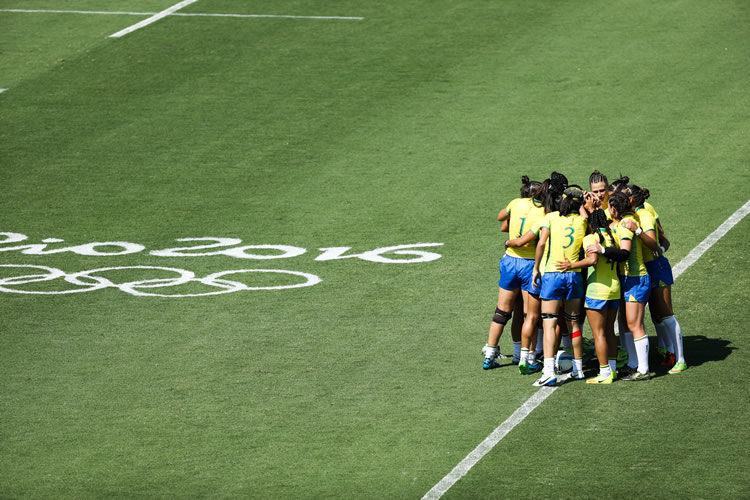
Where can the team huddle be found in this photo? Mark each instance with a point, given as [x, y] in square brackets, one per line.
[574, 255]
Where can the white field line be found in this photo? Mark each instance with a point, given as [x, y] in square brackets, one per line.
[152, 19]
[182, 14]
[2, 90]
[712, 238]
[543, 393]
[58, 11]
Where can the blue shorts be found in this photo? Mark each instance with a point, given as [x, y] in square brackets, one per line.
[562, 286]
[636, 288]
[600, 305]
[660, 272]
[515, 273]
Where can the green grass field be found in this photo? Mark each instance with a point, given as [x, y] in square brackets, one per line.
[412, 125]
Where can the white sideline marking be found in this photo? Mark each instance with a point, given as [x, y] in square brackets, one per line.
[489, 442]
[2, 90]
[152, 19]
[712, 238]
[543, 393]
[183, 14]
[57, 11]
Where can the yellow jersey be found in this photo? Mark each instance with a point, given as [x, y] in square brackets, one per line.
[565, 240]
[647, 222]
[524, 215]
[605, 207]
[648, 206]
[635, 265]
[603, 282]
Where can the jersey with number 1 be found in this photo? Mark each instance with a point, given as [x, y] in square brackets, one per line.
[565, 240]
[524, 214]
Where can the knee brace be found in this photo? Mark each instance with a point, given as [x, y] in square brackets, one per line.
[572, 316]
[549, 316]
[501, 317]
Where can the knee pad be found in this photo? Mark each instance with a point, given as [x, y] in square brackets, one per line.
[549, 316]
[572, 317]
[501, 317]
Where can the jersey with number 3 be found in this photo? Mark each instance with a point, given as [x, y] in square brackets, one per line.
[524, 215]
[565, 240]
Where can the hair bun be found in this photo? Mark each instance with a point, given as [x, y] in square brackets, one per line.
[525, 180]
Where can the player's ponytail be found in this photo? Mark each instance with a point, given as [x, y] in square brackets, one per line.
[620, 202]
[620, 185]
[526, 186]
[552, 191]
[597, 222]
[571, 200]
[638, 195]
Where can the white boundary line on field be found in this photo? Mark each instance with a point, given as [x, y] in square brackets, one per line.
[2, 90]
[152, 19]
[712, 238]
[182, 14]
[543, 393]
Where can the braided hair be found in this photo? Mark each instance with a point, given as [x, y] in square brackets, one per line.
[598, 221]
[597, 176]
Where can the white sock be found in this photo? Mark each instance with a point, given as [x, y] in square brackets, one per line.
[612, 364]
[539, 340]
[549, 367]
[605, 371]
[489, 351]
[516, 348]
[532, 357]
[675, 332]
[627, 340]
[641, 348]
[567, 343]
[664, 336]
[577, 365]
[524, 356]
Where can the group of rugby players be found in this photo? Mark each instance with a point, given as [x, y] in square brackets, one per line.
[575, 254]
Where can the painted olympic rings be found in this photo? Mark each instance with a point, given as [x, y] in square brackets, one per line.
[92, 280]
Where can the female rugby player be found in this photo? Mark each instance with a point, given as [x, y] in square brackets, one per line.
[635, 284]
[602, 295]
[660, 272]
[560, 238]
[547, 194]
[515, 270]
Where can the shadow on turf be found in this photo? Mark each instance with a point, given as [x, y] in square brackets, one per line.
[699, 349]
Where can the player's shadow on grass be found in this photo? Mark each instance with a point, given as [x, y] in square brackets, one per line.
[700, 349]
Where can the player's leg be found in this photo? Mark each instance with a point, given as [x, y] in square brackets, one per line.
[609, 331]
[673, 329]
[596, 313]
[626, 336]
[635, 309]
[528, 362]
[503, 313]
[573, 323]
[516, 326]
[551, 293]
[549, 317]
